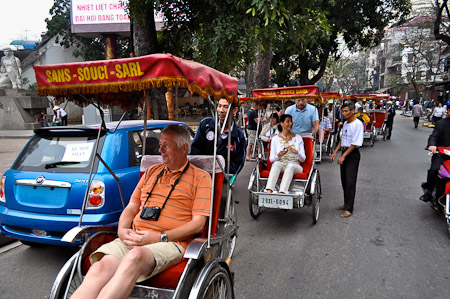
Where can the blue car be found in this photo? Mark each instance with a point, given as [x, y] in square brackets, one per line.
[41, 196]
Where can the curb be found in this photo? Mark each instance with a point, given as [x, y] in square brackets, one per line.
[5, 241]
[15, 137]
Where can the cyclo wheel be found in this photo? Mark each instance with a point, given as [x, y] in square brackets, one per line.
[384, 131]
[214, 281]
[62, 280]
[255, 210]
[228, 245]
[316, 197]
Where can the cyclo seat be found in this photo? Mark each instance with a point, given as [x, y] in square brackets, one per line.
[306, 165]
[168, 278]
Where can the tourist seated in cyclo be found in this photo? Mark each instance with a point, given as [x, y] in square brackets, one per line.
[270, 129]
[169, 206]
[324, 127]
[286, 153]
[362, 117]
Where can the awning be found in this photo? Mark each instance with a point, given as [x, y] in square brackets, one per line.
[133, 75]
[311, 92]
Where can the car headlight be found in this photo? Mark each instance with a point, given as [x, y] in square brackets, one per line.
[2, 189]
[96, 195]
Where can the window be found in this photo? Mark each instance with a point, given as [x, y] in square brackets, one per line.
[151, 145]
[57, 154]
[410, 57]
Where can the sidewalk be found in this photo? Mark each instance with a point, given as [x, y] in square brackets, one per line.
[16, 134]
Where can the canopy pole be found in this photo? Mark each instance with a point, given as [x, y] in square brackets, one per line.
[169, 101]
[144, 132]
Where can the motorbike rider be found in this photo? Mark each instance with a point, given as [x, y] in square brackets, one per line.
[439, 137]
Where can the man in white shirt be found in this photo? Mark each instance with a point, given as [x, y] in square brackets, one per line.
[352, 138]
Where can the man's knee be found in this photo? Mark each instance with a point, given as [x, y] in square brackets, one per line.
[140, 258]
[108, 264]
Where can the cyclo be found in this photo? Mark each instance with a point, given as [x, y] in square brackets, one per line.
[204, 271]
[306, 187]
[370, 129]
[377, 116]
[331, 139]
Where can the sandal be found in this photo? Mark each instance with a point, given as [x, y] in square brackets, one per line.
[346, 214]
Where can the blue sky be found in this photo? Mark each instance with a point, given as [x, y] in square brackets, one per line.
[23, 19]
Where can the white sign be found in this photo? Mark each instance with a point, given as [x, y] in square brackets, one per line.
[91, 12]
[78, 152]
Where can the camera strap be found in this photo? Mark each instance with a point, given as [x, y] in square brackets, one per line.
[173, 186]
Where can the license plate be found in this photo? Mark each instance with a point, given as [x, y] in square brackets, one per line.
[276, 202]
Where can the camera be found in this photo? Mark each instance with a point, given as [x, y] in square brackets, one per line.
[150, 213]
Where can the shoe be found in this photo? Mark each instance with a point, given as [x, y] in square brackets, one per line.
[340, 208]
[426, 197]
[346, 214]
[388, 138]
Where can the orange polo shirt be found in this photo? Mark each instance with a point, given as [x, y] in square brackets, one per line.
[191, 196]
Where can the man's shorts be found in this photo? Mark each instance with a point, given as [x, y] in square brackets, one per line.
[166, 254]
[251, 137]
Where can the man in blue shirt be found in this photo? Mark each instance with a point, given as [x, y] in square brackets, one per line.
[304, 116]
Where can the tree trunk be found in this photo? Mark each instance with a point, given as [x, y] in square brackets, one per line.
[257, 73]
[145, 42]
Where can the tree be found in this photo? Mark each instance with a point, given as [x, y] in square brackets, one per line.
[441, 25]
[423, 53]
[359, 24]
[59, 25]
[241, 35]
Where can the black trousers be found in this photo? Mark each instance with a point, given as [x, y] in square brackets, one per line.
[389, 126]
[349, 173]
[416, 121]
[64, 120]
[433, 181]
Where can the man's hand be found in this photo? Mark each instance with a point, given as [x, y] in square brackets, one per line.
[340, 161]
[332, 156]
[133, 238]
[432, 149]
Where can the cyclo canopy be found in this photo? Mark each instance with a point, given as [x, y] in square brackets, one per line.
[310, 92]
[114, 82]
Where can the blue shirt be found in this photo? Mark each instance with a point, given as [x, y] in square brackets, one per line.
[303, 119]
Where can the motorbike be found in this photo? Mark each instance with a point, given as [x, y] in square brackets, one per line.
[442, 204]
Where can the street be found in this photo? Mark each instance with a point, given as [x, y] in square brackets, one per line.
[394, 246]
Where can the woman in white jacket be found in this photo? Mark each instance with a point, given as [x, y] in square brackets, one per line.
[286, 154]
[270, 129]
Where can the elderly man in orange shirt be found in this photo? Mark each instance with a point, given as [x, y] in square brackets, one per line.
[168, 208]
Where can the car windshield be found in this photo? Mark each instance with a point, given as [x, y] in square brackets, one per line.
[57, 153]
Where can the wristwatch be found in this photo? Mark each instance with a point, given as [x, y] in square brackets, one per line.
[164, 237]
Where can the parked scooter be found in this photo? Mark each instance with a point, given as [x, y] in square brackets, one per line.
[442, 204]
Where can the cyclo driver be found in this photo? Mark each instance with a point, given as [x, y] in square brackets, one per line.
[439, 137]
